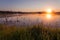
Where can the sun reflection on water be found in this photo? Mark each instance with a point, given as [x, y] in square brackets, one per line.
[49, 16]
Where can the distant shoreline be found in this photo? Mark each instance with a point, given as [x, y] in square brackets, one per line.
[13, 12]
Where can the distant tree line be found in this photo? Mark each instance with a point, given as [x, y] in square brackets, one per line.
[13, 12]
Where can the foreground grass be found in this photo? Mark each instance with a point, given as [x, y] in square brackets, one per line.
[36, 32]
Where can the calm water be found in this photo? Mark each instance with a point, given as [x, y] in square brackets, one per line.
[31, 19]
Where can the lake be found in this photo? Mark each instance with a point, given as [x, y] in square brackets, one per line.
[31, 19]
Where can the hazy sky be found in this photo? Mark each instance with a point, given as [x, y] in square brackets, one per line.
[29, 5]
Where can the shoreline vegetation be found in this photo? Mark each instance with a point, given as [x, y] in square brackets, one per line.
[35, 32]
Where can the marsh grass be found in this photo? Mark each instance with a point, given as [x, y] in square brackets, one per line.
[35, 32]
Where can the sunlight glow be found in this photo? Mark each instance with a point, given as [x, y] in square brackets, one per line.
[49, 11]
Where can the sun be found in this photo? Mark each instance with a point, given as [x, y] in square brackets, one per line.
[49, 10]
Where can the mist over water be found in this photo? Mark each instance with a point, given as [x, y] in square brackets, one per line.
[31, 19]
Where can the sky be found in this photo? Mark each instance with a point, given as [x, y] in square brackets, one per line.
[29, 5]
